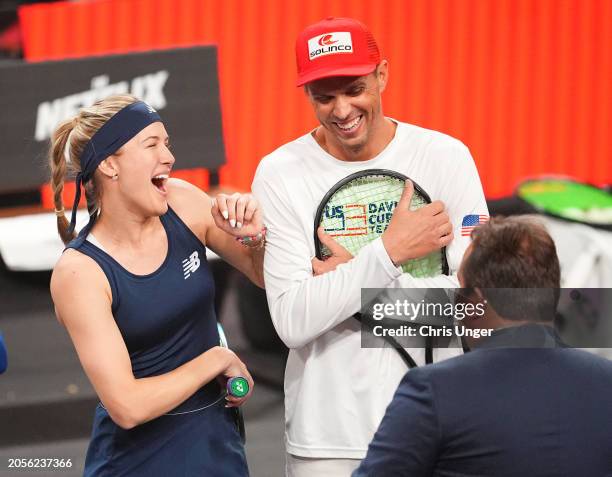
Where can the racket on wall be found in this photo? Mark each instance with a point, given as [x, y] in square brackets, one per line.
[237, 410]
[568, 199]
[357, 210]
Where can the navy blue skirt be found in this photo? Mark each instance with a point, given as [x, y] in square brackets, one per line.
[198, 443]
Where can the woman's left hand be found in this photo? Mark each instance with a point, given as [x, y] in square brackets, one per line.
[237, 214]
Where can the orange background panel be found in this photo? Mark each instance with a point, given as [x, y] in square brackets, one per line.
[524, 83]
[46, 197]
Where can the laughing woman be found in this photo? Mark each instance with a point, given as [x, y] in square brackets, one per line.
[135, 293]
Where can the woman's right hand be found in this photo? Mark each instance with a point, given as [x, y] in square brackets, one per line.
[233, 367]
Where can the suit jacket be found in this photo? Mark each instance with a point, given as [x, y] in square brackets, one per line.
[498, 411]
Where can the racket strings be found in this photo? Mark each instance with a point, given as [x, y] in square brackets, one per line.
[360, 211]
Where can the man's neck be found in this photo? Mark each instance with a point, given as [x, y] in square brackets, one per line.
[381, 136]
[496, 323]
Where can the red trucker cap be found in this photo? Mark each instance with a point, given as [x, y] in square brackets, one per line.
[335, 47]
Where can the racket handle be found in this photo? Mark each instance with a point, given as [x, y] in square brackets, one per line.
[237, 386]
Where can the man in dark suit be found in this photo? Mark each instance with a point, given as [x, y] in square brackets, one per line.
[519, 404]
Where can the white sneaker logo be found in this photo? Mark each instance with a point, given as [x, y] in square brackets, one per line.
[191, 264]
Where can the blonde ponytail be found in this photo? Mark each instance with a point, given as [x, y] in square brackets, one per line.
[70, 139]
[57, 162]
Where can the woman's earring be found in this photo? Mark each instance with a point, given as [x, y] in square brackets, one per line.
[116, 176]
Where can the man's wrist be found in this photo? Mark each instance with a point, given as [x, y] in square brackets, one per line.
[385, 259]
[389, 250]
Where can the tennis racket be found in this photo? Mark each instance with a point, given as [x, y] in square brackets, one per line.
[237, 410]
[357, 210]
[568, 199]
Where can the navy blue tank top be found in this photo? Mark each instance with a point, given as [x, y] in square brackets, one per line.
[167, 317]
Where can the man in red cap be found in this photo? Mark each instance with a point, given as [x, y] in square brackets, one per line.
[336, 392]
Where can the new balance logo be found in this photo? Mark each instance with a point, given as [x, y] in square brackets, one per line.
[191, 264]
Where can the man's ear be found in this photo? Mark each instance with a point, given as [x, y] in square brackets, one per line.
[479, 295]
[382, 74]
[308, 94]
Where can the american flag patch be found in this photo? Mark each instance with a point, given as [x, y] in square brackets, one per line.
[470, 222]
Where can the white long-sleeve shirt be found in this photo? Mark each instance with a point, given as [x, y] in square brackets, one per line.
[335, 391]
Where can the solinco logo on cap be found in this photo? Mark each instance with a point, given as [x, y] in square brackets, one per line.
[329, 44]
